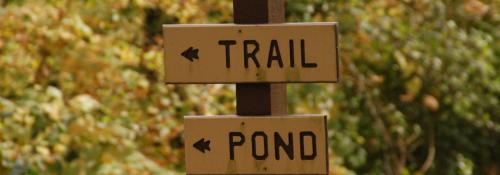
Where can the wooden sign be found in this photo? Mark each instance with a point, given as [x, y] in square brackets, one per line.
[256, 145]
[230, 53]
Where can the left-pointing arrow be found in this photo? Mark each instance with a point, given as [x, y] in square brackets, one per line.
[202, 145]
[190, 54]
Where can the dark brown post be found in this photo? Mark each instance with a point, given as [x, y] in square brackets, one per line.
[260, 98]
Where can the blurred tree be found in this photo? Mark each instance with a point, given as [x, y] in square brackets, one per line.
[419, 91]
[81, 90]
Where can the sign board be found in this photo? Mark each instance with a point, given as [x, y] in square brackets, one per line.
[230, 53]
[256, 145]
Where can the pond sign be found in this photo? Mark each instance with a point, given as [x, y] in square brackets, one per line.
[260, 54]
[256, 145]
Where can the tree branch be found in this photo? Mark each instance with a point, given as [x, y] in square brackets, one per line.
[431, 152]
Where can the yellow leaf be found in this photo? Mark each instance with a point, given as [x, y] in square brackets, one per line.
[431, 102]
[476, 8]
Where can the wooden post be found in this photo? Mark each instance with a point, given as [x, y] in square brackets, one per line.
[260, 98]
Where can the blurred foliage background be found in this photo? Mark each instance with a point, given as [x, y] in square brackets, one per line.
[81, 91]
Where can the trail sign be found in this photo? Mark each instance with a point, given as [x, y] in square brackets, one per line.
[256, 145]
[231, 53]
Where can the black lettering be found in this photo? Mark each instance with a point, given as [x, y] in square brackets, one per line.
[227, 44]
[292, 54]
[274, 48]
[254, 146]
[303, 55]
[278, 142]
[303, 155]
[232, 143]
[247, 55]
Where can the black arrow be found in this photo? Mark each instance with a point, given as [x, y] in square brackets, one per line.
[190, 54]
[202, 145]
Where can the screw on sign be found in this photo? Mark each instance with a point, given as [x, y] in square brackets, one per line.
[260, 53]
